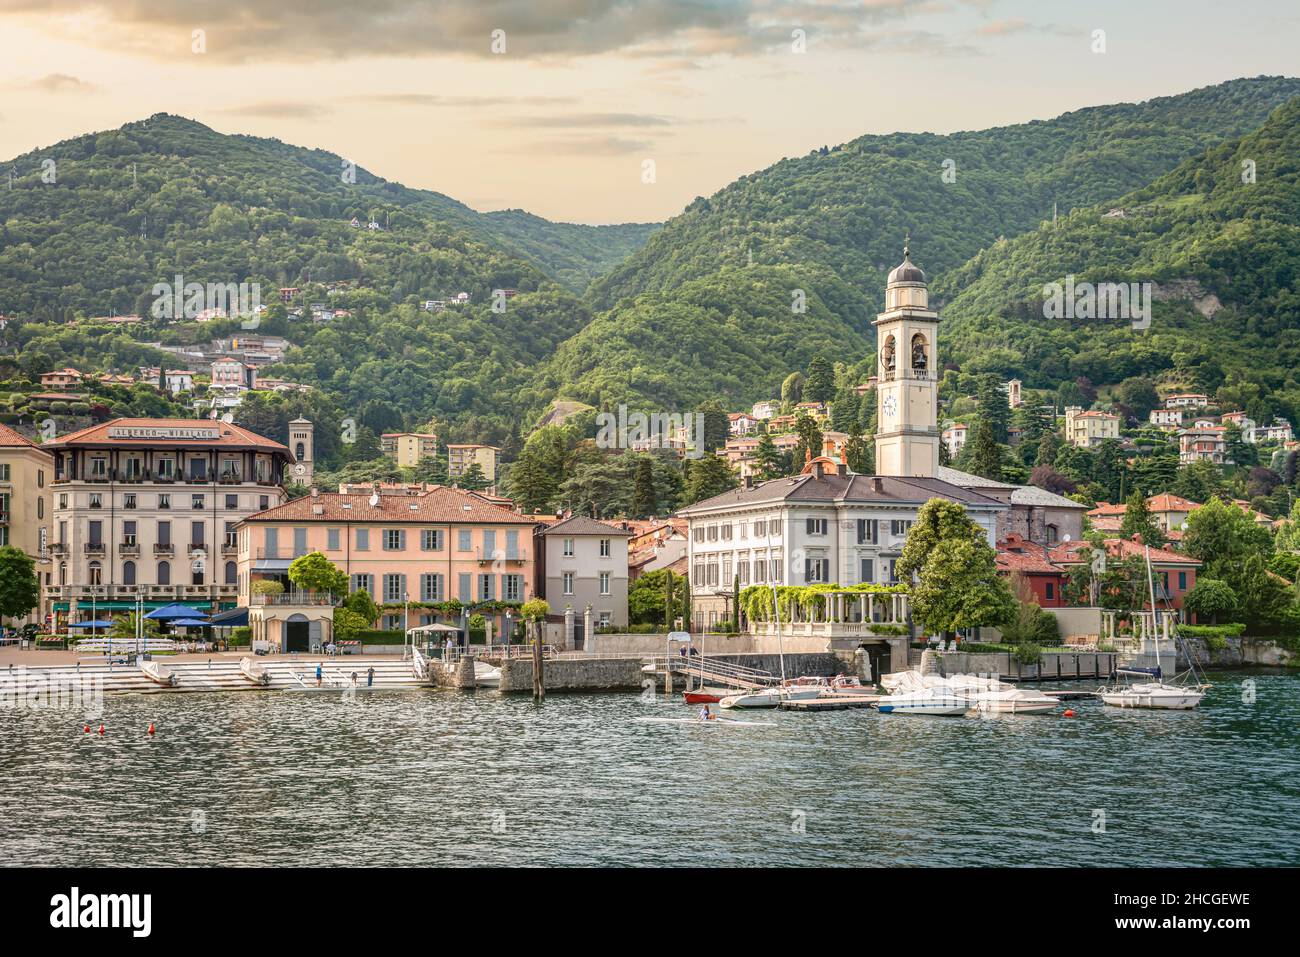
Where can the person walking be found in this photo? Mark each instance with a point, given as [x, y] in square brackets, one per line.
[370, 677]
[318, 674]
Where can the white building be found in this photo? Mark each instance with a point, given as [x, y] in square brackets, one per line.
[1167, 418]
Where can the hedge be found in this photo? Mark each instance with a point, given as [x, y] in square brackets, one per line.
[377, 637]
[1211, 632]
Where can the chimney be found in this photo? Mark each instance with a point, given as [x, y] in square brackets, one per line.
[315, 492]
[748, 481]
[818, 470]
[841, 470]
[877, 484]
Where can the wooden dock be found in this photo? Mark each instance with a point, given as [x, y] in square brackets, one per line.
[831, 703]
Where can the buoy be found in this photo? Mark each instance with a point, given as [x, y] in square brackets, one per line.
[1069, 712]
[151, 727]
[87, 729]
[101, 729]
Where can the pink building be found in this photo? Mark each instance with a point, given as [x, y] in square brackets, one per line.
[425, 548]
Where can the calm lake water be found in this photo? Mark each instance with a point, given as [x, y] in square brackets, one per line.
[442, 778]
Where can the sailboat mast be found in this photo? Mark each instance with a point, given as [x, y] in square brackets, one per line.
[1151, 588]
[780, 646]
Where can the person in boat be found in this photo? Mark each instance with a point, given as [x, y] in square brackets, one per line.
[319, 674]
[706, 714]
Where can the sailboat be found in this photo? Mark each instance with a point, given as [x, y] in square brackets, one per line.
[1154, 694]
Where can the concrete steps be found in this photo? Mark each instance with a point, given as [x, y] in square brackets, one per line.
[221, 674]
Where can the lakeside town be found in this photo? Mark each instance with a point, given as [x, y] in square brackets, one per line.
[225, 538]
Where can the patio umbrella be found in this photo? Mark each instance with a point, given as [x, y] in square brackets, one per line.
[170, 612]
[91, 624]
[189, 623]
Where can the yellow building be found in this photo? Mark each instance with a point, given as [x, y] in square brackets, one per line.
[26, 471]
[1086, 429]
[461, 457]
[408, 448]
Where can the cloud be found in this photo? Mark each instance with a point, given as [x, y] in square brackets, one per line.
[60, 83]
[593, 120]
[471, 102]
[1001, 28]
[281, 110]
[589, 146]
[295, 30]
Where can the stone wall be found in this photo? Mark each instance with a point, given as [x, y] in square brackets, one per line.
[574, 674]
[1241, 652]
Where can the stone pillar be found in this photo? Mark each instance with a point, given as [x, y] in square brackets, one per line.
[931, 663]
[589, 636]
[568, 626]
[465, 674]
[862, 666]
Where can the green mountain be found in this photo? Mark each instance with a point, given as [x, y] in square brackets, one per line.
[832, 224]
[1218, 239]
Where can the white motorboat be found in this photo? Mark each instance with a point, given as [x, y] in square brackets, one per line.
[486, 675]
[931, 701]
[1014, 701]
[842, 685]
[761, 698]
[802, 689]
[159, 673]
[254, 671]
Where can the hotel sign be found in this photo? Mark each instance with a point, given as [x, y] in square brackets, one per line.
[199, 434]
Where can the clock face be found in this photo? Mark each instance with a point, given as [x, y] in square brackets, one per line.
[890, 406]
[299, 469]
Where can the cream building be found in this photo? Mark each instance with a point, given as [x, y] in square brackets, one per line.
[147, 508]
[461, 457]
[1086, 429]
[26, 471]
[409, 448]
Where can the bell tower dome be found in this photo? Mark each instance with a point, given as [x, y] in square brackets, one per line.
[907, 336]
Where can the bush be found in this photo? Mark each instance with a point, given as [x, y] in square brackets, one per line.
[267, 586]
[1215, 636]
[1028, 654]
[374, 636]
[241, 637]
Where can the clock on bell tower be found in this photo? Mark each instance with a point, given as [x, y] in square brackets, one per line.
[907, 334]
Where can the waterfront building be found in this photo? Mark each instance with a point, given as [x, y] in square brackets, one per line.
[582, 572]
[425, 548]
[26, 471]
[148, 508]
[407, 449]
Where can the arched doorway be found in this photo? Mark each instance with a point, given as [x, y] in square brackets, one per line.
[297, 633]
[879, 656]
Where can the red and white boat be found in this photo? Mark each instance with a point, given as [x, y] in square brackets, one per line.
[707, 695]
[848, 685]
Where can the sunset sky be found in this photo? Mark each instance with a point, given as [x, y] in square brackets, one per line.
[586, 90]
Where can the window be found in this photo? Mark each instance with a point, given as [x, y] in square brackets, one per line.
[231, 539]
[363, 539]
[198, 470]
[164, 573]
[760, 528]
[697, 574]
[96, 533]
[232, 501]
[568, 548]
[899, 526]
[760, 570]
[514, 588]
[485, 590]
[1182, 581]
[742, 528]
[815, 526]
[98, 468]
[96, 500]
[568, 583]
[430, 587]
[166, 469]
[742, 569]
[196, 533]
[1049, 590]
[464, 588]
[263, 502]
[774, 528]
[299, 542]
[232, 573]
[711, 533]
[698, 533]
[4, 472]
[726, 532]
[128, 535]
[726, 569]
[363, 582]
[128, 573]
[604, 548]
[778, 569]
[711, 572]
[464, 540]
[96, 574]
[816, 569]
[604, 583]
[394, 539]
[128, 500]
[63, 500]
[431, 540]
[164, 501]
[196, 501]
[332, 539]
[512, 543]
[394, 587]
[164, 533]
[868, 531]
[868, 570]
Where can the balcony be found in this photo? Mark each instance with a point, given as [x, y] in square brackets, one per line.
[4, 518]
[306, 599]
[96, 548]
[164, 548]
[229, 548]
[58, 548]
[128, 548]
[198, 547]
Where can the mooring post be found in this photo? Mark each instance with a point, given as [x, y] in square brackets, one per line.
[539, 682]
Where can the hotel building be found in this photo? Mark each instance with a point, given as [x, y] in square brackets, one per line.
[26, 470]
[148, 508]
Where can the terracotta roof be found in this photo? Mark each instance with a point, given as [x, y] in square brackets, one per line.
[832, 487]
[439, 505]
[1106, 509]
[231, 436]
[1164, 502]
[581, 525]
[1017, 555]
[10, 439]
[1067, 553]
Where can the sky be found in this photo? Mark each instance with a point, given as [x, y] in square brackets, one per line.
[560, 106]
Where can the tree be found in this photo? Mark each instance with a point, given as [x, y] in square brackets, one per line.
[993, 406]
[20, 589]
[348, 624]
[820, 384]
[1046, 477]
[1138, 395]
[705, 478]
[985, 455]
[1139, 521]
[643, 491]
[123, 628]
[811, 440]
[1223, 537]
[792, 389]
[860, 455]
[473, 478]
[1264, 597]
[647, 598]
[958, 585]
[362, 604]
[767, 460]
[845, 411]
[315, 573]
[1210, 598]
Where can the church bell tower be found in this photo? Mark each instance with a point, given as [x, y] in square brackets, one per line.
[907, 335]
